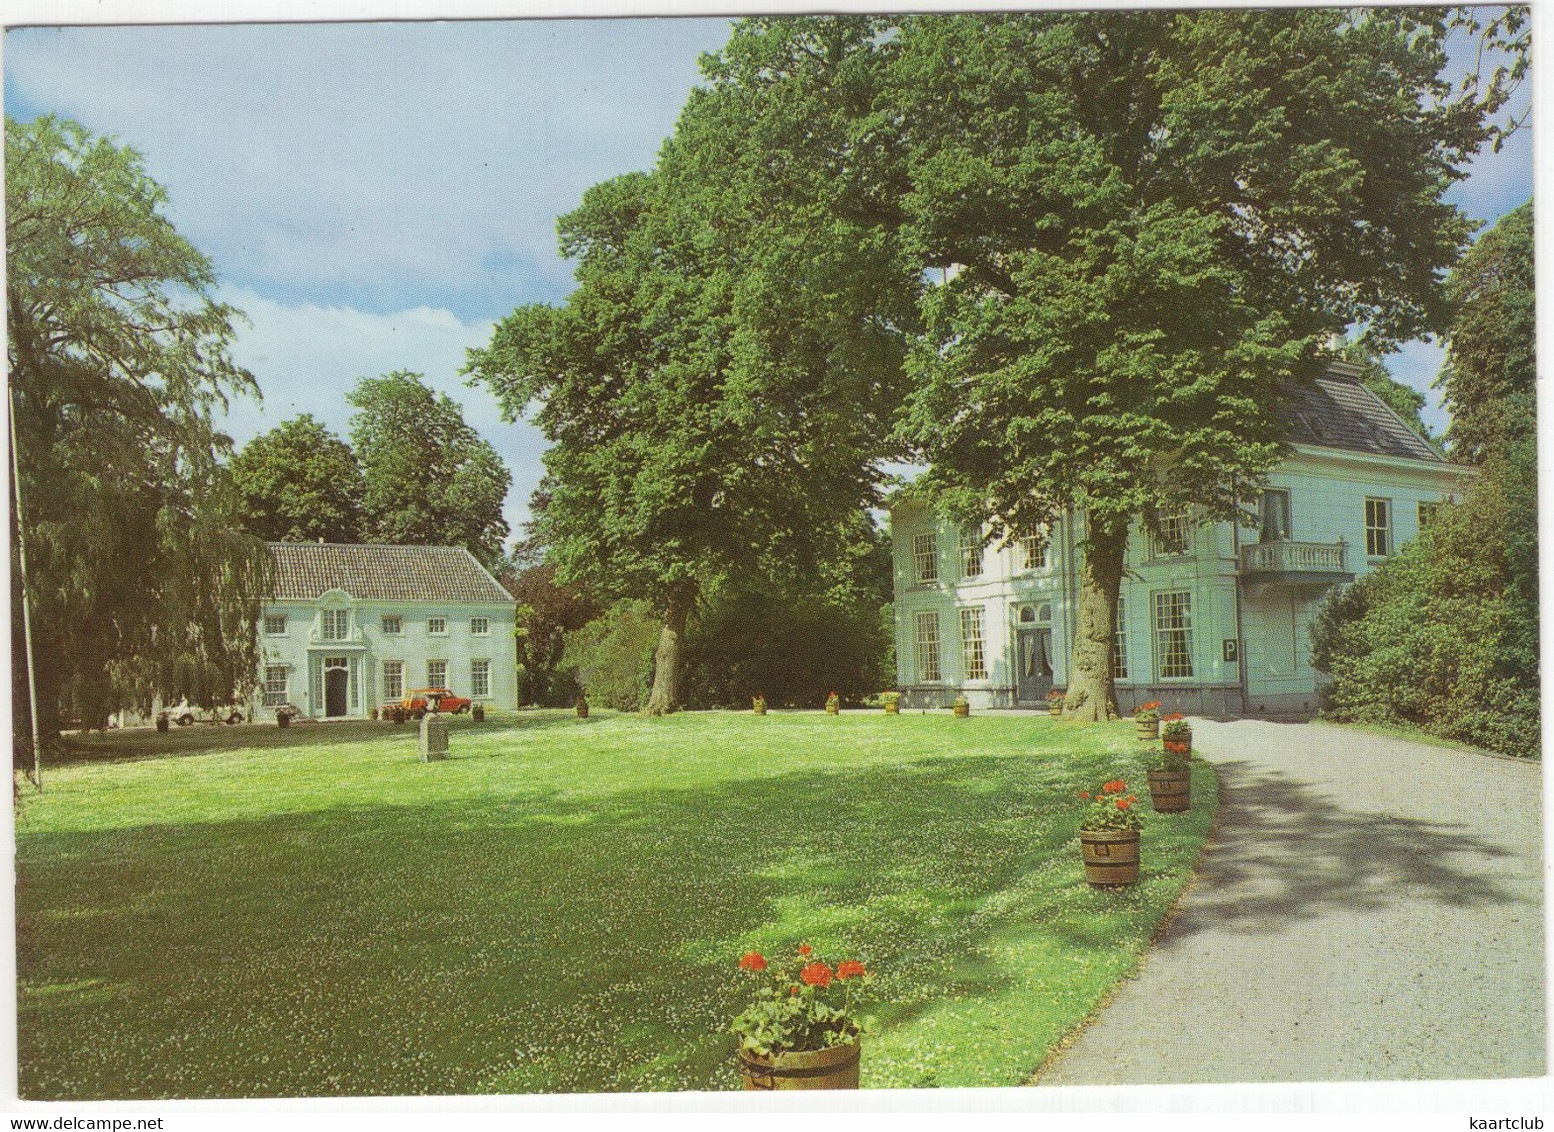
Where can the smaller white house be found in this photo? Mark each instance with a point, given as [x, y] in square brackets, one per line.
[352, 627]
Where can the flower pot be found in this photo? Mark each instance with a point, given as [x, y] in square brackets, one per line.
[1170, 791]
[1111, 856]
[1148, 729]
[478, 713]
[834, 1068]
[892, 709]
[161, 723]
[759, 709]
[282, 719]
[582, 709]
[961, 709]
[833, 709]
[1055, 708]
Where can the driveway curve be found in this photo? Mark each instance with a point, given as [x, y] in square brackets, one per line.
[1369, 908]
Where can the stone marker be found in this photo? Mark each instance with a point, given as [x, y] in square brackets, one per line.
[434, 737]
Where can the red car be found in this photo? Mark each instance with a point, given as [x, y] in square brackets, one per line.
[419, 701]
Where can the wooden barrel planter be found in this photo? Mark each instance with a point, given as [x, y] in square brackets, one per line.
[1055, 708]
[892, 709]
[759, 709]
[582, 709]
[1148, 729]
[1170, 791]
[834, 1068]
[1111, 856]
[833, 709]
[961, 709]
[478, 713]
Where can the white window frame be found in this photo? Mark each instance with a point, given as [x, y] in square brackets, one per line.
[1378, 533]
[437, 626]
[440, 681]
[930, 660]
[1032, 550]
[272, 697]
[973, 650]
[393, 624]
[269, 621]
[1120, 642]
[329, 620]
[1163, 545]
[1173, 642]
[393, 691]
[480, 679]
[971, 564]
[479, 626]
[925, 558]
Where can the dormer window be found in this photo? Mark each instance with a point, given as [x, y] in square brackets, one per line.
[336, 624]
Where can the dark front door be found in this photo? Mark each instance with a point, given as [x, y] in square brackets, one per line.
[334, 691]
[1035, 664]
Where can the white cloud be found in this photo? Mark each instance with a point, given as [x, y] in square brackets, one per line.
[307, 357]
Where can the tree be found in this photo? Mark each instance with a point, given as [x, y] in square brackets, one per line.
[118, 354]
[430, 480]
[548, 611]
[1153, 223]
[719, 386]
[297, 483]
[1445, 635]
[1490, 375]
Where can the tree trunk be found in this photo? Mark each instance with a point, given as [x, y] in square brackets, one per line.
[665, 696]
[1091, 692]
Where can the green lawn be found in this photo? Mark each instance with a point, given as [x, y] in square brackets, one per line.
[560, 907]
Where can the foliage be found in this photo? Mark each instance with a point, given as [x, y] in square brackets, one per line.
[118, 354]
[1146, 713]
[717, 386]
[1174, 757]
[298, 483]
[563, 897]
[547, 612]
[798, 1008]
[1176, 733]
[890, 697]
[794, 633]
[1111, 808]
[1488, 382]
[1444, 636]
[611, 658]
[758, 703]
[430, 479]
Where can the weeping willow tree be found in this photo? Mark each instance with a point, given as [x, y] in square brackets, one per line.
[119, 354]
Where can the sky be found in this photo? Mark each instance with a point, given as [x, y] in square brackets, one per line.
[375, 196]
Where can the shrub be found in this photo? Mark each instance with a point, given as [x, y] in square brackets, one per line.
[612, 658]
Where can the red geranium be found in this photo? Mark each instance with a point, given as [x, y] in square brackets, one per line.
[752, 961]
[805, 949]
[1085, 794]
[817, 974]
[1173, 715]
[1123, 803]
[1176, 748]
[1115, 786]
[847, 968]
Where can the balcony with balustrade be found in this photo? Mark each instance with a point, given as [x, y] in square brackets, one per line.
[1287, 562]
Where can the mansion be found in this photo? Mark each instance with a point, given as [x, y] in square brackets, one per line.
[1213, 619]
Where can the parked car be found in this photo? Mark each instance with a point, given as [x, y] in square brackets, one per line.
[418, 701]
[184, 715]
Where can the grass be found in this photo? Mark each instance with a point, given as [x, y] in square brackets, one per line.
[252, 912]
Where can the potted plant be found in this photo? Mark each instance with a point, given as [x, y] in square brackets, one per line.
[1109, 836]
[1176, 735]
[758, 704]
[1170, 781]
[960, 707]
[801, 1032]
[892, 702]
[833, 704]
[1146, 718]
[581, 703]
[478, 713]
[283, 715]
[1055, 702]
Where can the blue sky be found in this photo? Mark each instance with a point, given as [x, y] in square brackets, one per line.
[376, 195]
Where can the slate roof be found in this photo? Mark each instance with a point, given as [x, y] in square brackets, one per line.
[304, 571]
[1337, 411]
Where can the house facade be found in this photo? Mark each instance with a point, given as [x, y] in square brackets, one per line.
[352, 627]
[1213, 619]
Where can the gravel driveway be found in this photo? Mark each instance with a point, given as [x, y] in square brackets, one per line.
[1369, 909]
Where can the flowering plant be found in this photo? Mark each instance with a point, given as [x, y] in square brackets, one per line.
[757, 702]
[1174, 757]
[961, 701]
[1176, 735]
[833, 700]
[1146, 712]
[890, 697]
[1056, 696]
[1111, 808]
[804, 1005]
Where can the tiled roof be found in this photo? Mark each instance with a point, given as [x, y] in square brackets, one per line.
[1337, 411]
[375, 572]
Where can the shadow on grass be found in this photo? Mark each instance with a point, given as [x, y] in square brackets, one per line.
[517, 945]
[1284, 852]
[204, 739]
